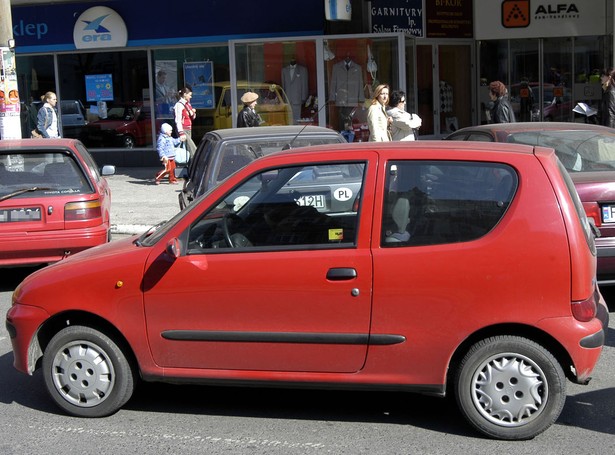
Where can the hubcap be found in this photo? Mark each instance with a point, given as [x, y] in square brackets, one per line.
[83, 374]
[509, 390]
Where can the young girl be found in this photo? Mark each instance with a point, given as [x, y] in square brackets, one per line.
[166, 150]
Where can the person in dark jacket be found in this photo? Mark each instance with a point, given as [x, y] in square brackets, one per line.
[248, 117]
[502, 111]
[607, 105]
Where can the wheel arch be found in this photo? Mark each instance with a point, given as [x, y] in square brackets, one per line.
[521, 330]
[73, 318]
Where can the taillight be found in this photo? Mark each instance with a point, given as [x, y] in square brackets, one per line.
[82, 211]
[592, 210]
[585, 310]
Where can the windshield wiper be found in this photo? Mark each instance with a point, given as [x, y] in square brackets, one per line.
[22, 191]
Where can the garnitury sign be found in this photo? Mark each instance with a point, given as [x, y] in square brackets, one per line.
[509, 19]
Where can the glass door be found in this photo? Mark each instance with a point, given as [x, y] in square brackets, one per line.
[444, 73]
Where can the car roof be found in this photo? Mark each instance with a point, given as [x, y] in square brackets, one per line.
[535, 126]
[35, 144]
[265, 131]
[435, 146]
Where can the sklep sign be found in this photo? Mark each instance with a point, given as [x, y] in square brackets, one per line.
[100, 27]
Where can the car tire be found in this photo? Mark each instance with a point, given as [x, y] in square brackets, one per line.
[128, 142]
[509, 387]
[86, 373]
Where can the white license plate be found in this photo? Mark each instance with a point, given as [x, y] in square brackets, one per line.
[608, 213]
[314, 200]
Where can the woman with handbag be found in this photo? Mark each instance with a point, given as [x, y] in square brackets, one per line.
[184, 115]
[405, 125]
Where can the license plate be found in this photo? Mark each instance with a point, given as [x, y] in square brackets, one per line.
[314, 200]
[608, 213]
[20, 214]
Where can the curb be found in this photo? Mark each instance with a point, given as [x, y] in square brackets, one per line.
[129, 229]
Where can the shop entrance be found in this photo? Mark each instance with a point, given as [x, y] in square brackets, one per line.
[444, 75]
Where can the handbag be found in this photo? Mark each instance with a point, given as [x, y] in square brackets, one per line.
[181, 154]
[35, 134]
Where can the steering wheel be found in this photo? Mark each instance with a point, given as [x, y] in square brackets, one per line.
[235, 240]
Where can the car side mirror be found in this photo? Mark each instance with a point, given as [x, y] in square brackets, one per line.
[173, 248]
[108, 169]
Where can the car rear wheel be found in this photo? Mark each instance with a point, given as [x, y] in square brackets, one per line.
[510, 388]
[86, 373]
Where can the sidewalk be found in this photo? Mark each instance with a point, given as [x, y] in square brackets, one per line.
[136, 203]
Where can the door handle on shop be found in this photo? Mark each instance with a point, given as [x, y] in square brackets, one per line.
[341, 273]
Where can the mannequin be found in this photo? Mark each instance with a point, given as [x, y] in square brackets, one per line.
[295, 84]
[346, 88]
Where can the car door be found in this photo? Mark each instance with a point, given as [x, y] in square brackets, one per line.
[287, 301]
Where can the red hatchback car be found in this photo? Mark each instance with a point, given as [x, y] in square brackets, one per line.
[588, 153]
[432, 267]
[53, 201]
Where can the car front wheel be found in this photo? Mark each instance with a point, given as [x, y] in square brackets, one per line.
[510, 388]
[86, 373]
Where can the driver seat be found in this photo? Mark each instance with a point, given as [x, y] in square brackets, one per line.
[401, 217]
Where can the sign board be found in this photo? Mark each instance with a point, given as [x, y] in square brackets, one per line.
[199, 76]
[98, 28]
[10, 123]
[99, 87]
[510, 19]
[398, 16]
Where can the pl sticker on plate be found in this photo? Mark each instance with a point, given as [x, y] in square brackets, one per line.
[342, 194]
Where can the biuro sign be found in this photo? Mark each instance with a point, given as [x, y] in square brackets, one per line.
[99, 27]
[516, 13]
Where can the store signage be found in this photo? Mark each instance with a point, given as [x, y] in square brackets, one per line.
[397, 16]
[538, 18]
[100, 27]
[338, 10]
[449, 19]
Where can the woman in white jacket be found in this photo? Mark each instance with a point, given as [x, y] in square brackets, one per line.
[404, 123]
[377, 119]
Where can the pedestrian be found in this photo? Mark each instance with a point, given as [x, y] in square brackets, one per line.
[166, 151]
[184, 115]
[405, 125]
[248, 117]
[378, 121]
[607, 104]
[47, 118]
[502, 111]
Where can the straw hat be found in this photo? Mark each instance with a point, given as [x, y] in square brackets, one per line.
[249, 97]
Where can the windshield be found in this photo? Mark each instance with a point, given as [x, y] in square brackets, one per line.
[578, 150]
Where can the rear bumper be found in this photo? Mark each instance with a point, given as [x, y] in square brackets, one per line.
[32, 248]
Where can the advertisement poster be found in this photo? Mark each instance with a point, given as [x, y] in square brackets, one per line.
[200, 77]
[99, 87]
[10, 124]
[165, 92]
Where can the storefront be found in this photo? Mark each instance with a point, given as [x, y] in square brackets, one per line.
[549, 55]
[117, 68]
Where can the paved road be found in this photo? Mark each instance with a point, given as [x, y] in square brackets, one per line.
[136, 203]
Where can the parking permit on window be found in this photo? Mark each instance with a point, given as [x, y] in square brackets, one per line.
[336, 234]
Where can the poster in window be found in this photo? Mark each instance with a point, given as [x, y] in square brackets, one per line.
[99, 87]
[200, 77]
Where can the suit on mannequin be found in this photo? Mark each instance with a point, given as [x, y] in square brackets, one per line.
[346, 87]
[295, 84]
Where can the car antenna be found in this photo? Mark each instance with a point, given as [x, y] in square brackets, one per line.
[290, 144]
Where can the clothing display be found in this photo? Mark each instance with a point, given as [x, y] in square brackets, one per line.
[295, 84]
[346, 86]
[446, 97]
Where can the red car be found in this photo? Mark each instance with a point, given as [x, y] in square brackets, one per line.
[588, 153]
[446, 267]
[53, 201]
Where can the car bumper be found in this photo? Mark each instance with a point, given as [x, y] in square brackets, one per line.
[44, 247]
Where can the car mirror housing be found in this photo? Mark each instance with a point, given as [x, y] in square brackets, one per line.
[173, 248]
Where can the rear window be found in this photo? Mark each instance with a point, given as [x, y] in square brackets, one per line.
[436, 202]
[53, 173]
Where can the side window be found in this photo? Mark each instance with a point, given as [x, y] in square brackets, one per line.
[436, 202]
[302, 207]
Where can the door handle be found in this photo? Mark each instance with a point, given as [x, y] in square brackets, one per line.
[341, 273]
